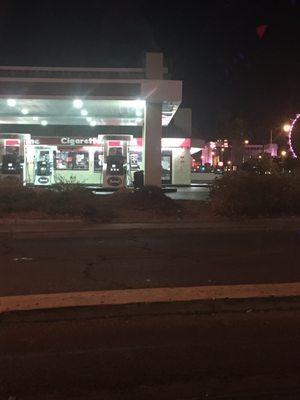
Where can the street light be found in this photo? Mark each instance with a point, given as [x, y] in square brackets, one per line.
[283, 153]
[246, 141]
[285, 128]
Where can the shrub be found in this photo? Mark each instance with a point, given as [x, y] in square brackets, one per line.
[74, 200]
[253, 195]
[16, 198]
[68, 200]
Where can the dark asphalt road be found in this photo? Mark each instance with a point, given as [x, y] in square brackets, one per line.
[222, 356]
[153, 258]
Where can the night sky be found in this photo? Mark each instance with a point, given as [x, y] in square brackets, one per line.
[234, 80]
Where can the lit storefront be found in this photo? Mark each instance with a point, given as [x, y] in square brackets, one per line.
[93, 126]
[106, 160]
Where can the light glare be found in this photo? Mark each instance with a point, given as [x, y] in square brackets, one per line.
[78, 103]
[11, 102]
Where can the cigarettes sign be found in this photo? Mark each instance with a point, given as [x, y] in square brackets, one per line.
[67, 141]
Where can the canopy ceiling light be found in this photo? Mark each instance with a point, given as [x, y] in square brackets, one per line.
[78, 103]
[11, 102]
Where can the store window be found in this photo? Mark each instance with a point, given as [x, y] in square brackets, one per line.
[135, 160]
[98, 161]
[71, 160]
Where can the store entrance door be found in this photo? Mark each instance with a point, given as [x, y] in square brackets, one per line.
[166, 166]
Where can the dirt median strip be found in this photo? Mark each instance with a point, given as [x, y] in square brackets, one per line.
[162, 295]
[76, 229]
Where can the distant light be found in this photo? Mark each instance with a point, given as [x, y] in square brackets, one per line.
[283, 153]
[228, 162]
[246, 141]
[84, 113]
[93, 123]
[222, 149]
[11, 102]
[259, 156]
[24, 111]
[78, 103]
[286, 128]
[212, 153]
[44, 122]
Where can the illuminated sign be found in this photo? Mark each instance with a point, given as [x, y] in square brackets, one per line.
[11, 142]
[43, 180]
[66, 141]
[79, 141]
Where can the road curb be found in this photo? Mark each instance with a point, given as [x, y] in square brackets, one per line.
[202, 299]
[77, 229]
[152, 309]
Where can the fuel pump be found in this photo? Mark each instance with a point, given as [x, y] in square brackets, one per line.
[11, 158]
[115, 161]
[44, 174]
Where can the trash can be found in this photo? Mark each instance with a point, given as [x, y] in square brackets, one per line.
[138, 179]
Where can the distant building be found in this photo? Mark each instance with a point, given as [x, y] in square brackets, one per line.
[222, 153]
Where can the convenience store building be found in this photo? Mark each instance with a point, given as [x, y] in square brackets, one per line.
[96, 126]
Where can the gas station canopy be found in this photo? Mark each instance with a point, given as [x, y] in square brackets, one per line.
[78, 111]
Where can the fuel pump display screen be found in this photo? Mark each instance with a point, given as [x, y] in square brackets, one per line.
[115, 165]
[115, 151]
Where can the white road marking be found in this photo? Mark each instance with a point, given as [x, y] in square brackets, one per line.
[146, 295]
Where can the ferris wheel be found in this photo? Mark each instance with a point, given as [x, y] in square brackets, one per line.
[292, 136]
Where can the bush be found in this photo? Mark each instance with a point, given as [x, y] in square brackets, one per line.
[74, 200]
[254, 195]
[16, 198]
[68, 200]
